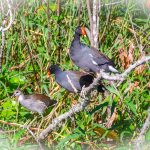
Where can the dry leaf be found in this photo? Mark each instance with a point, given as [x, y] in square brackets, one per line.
[132, 31]
[133, 86]
[131, 52]
[123, 57]
[23, 140]
[126, 58]
[112, 119]
[138, 70]
[112, 134]
[74, 102]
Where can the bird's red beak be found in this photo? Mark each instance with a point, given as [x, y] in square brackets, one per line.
[48, 74]
[83, 31]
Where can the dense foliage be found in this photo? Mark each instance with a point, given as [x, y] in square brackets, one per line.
[35, 41]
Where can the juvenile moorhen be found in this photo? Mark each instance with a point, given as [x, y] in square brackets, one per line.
[73, 81]
[36, 102]
[89, 58]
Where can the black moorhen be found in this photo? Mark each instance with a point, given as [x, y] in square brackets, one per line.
[89, 58]
[73, 81]
[35, 102]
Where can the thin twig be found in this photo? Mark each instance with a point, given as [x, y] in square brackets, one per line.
[95, 28]
[17, 125]
[121, 77]
[11, 17]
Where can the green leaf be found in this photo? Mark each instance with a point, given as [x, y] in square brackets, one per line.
[18, 80]
[131, 106]
[70, 137]
[113, 90]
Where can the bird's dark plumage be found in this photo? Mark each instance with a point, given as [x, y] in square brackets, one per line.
[89, 58]
[73, 81]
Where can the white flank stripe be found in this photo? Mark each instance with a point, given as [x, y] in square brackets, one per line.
[111, 68]
[69, 80]
[91, 55]
[94, 62]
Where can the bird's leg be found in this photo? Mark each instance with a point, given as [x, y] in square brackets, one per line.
[32, 121]
[41, 122]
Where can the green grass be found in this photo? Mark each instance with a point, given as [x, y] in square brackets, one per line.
[29, 34]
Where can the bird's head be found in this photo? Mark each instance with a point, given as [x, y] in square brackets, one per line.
[80, 30]
[17, 93]
[51, 70]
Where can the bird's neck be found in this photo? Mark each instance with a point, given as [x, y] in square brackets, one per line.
[58, 71]
[21, 98]
[76, 39]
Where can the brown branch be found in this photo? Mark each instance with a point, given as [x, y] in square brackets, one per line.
[121, 77]
[84, 98]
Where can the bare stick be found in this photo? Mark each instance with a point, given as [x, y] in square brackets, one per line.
[98, 16]
[84, 98]
[11, 17]
[91, 20]
[121, 77]
[3, 29]
[95, 23]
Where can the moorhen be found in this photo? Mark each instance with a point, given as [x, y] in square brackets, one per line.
[89, 58]
[73, 81]
[35, 102]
